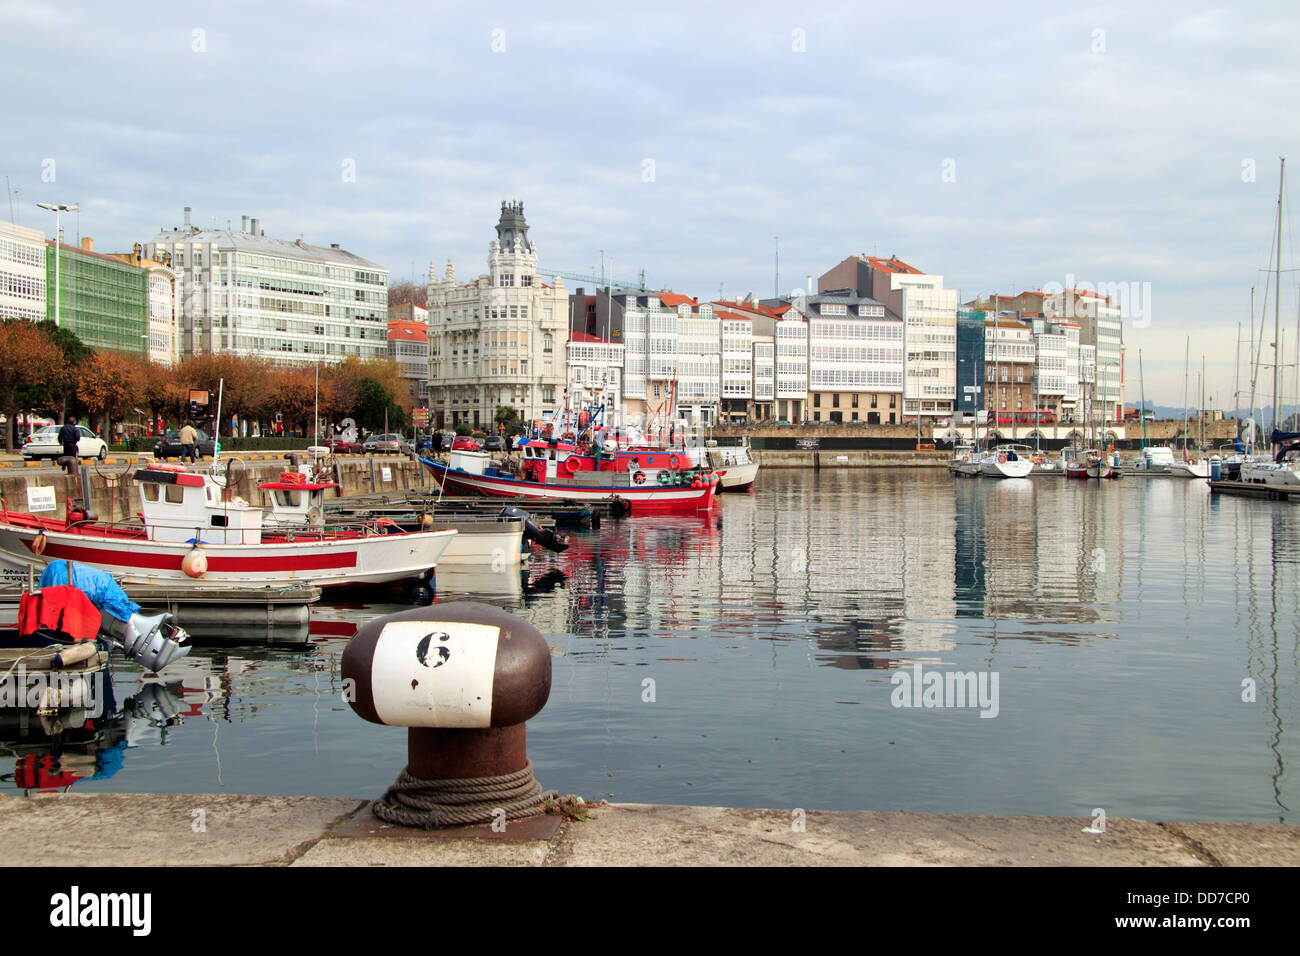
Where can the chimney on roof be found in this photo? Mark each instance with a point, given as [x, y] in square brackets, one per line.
[188, 210]
[253, 223]
[243, 224]
[809, 289]
[88, 244]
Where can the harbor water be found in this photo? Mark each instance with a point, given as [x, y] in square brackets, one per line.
[1132, 646]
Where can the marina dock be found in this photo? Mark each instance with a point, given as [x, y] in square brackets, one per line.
[324, 831]
[1248, 489]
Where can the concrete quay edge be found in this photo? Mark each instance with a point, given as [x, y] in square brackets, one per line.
[240, 830]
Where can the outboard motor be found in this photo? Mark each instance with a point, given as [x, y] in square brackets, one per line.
[535, 532]
[142, 639]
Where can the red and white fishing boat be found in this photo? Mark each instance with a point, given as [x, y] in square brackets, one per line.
[650, 482]
[189, 532]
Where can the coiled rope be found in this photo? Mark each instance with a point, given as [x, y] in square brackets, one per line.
[412, 802]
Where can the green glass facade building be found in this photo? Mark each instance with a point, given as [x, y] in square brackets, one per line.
[970, 360]
[104, 301]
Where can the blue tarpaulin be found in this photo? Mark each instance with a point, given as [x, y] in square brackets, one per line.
[104, 592]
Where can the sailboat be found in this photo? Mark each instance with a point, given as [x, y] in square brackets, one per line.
[1190, 466]
[1284, 467]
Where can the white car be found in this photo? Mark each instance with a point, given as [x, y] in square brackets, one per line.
[44, 443]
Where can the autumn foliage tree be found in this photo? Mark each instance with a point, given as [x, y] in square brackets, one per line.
[28, 357]
[108, 383]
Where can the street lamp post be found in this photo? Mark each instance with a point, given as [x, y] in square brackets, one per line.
[56, 209]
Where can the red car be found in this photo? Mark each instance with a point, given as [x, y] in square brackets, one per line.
[466, 444]
[341, 447]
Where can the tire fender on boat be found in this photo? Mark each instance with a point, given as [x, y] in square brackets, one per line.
[639, 478]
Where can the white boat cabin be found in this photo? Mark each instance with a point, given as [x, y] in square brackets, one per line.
[181, 506]
[295, 500]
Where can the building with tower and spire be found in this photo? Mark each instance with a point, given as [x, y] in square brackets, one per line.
[500, 339]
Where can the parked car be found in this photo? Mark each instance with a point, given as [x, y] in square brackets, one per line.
[170, 445]
[466, 444]
[493, 443]
[378, 444]
[44, 443]
[341, 447]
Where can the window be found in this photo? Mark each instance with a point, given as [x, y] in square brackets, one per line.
[835, 400]
[817, 400]
[548, 343]
[873, 401]
[855, 402]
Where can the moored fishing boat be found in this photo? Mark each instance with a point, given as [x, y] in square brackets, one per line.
[191, 533]
[734, 464]
[649, 482]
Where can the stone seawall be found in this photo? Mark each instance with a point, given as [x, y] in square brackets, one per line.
[782, 458]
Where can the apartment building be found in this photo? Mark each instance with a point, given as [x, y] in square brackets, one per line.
[408, 346]
[102, 299]
[22, 273]
[243, 292]
[500, 339]
[929, 314]
[595, 374]
[163, 341]
[855, 360]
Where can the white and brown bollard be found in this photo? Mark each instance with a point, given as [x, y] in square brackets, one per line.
[463, 677]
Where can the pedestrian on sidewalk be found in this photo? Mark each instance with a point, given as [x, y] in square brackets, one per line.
[69, 437]
[189, 441]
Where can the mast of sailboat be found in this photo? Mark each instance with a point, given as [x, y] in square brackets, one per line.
[1254, 368]
[1142, 386]
[1187, 365]
[1236, 383]
[1200, 412]
[1277, 293]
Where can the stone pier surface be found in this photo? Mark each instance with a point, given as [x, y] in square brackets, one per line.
[224, 830]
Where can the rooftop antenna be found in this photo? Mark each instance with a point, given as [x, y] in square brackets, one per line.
[11, 201]
[776, 267]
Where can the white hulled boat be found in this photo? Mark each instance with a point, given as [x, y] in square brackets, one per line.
[191, 533]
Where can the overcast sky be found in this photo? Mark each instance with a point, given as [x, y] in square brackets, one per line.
[1002, 150]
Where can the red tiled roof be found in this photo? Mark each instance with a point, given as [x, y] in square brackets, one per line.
[410, 331]
[892, 265]
[576, 336]
[723, 314]
[674, 299]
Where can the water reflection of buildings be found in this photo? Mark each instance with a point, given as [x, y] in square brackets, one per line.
[1038, 549]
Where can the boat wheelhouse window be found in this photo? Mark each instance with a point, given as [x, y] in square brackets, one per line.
[287, 499]
[219, 521]
[150, 491]
[173, 494]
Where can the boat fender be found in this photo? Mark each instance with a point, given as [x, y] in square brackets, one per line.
[639, 478]
[38, 544]
[313, 516]
[696, 485]
[81, 651]
[195, 564]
